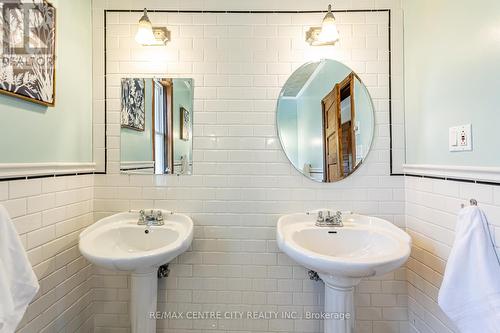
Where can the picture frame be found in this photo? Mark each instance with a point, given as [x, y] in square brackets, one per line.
[185, 123]
[28, 31]
[133, 95]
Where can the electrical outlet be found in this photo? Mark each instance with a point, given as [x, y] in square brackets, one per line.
[460, 138]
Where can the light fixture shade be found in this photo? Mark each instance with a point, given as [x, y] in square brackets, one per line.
[144, 33]
[327, 34]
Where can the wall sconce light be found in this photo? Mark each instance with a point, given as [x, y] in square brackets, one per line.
[147, 35]
[327, 34]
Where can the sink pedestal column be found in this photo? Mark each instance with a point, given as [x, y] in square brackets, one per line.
[143, 301]
[339, 304]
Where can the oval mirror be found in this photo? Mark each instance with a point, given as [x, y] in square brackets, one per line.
[325, 120]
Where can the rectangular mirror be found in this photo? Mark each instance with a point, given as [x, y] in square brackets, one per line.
[156, 126]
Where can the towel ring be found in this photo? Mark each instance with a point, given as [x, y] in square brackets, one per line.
[473, 202]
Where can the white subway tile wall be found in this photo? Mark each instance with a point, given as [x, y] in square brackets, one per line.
[242, 180]
[48, 214]
[431, 209]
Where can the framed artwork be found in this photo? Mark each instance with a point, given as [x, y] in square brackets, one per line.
[185, 123]
[132, 106]
[28, 34]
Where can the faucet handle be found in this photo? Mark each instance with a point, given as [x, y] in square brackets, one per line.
[159, 216]
[320, 216]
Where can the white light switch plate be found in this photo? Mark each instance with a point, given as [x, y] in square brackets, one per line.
[460, 138]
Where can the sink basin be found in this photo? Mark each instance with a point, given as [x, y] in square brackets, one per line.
[363, 247]
[118, 242]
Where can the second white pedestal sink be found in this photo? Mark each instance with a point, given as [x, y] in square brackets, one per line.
[118, 242]
[363, 247]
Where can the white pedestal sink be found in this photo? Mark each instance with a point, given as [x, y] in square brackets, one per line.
[117, 242]
[363, 247]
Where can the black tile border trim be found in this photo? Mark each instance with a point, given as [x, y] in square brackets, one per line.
[196, 11]
[49, 176]
[462, 180]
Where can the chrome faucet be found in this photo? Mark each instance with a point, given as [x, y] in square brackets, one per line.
[153, 218]
[329, 220]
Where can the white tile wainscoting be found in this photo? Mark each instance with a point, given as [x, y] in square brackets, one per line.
[49, 214]
[431, 212]
[242, 180]
[234, 263]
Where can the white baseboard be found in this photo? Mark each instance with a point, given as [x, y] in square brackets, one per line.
[487, 174]
[18, 170]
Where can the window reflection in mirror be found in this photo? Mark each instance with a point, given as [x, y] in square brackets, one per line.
[325, 120]
[156, 125]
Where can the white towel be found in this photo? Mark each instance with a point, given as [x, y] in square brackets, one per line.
[470, 292]
[18, 282]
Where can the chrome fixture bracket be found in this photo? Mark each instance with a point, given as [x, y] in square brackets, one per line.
[161, 35]
[312, 35]
[472, 202]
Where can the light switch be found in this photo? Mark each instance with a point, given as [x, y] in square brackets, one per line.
[453, 137]
[460, 138]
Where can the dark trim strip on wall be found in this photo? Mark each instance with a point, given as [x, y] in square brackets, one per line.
[105, 97]
[480, 182]
[243, 11]
[390, 101]
[462, 180]
[49, 176]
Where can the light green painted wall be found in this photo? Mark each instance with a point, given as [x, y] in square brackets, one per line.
[34, 133]
[452, 77]
[138, 145]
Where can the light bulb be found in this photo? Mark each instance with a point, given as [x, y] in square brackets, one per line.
[329, 32]
[144, 33]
